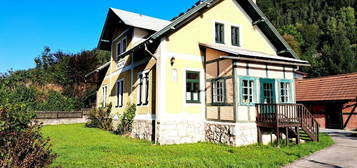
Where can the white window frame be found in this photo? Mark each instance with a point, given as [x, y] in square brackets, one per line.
[120, 93]
[104, 95]
[143, 88]
[218, 92]
[286, 89]
[122, 47]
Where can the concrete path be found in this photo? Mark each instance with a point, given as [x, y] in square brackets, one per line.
[343, 154]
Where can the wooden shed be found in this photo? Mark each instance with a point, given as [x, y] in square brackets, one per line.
[331, 99]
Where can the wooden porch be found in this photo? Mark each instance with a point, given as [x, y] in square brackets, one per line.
[288, 119]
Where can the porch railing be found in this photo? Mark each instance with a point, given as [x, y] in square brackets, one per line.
[287, 115]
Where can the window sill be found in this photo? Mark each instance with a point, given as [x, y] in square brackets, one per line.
[236, 46]
[221, 104]
[247, 104]
[220, 43]
[193, 102]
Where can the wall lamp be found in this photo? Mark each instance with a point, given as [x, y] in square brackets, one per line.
[172, 60]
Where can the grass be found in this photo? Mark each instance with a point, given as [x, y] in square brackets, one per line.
[78, 146]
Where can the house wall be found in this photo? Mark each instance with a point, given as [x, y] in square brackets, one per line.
[183, 45]
[179, 121]
[127, 68]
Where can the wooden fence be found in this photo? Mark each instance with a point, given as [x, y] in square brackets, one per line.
[60, 114]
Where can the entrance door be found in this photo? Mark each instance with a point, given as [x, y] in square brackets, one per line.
[333, 116]
[267, 91]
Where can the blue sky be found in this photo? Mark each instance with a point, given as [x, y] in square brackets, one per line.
[26, 26]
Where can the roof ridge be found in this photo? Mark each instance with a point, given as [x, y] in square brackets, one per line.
[331, 76]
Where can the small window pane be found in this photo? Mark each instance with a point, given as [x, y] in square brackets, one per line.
[192, 87]
[235, 36]
[219, 29]
[218, 91]
[247, 91]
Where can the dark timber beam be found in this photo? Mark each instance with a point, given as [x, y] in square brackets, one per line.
[349, 117]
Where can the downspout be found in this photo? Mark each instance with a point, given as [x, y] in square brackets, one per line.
[156, 115]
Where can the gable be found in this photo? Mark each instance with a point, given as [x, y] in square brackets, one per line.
[202, 30]
[117, 17]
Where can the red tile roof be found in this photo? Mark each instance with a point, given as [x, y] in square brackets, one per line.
[338, 87]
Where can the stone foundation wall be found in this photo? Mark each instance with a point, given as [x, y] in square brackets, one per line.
[143, 129]
[246, 134]
[178, 132]
[220, 133]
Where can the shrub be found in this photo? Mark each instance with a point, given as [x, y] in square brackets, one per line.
[100, 118]
[57, 102]
[126, 120]
[21, 144]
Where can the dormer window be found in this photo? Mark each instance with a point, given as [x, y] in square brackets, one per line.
[219, 29]
[121, 47]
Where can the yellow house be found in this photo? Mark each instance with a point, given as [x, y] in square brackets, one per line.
[200, 76]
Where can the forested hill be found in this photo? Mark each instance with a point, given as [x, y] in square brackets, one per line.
[320, 31]
[56, 83]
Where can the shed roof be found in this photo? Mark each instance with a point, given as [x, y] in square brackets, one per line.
[338, 87]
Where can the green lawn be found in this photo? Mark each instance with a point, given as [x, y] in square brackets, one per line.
[78, 146]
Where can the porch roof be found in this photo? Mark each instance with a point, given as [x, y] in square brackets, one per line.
[248, 55]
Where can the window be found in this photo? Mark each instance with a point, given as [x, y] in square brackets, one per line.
[219, 29]
[120, 91]
[218, 91]
[247, 91]
[268, 93]
[192, 87]
[285, 92]
[121, 47]
[104, 96]
[235, 36]
[143, 88]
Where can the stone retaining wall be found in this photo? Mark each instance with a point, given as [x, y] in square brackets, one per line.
[84, 119]
[143, 129]
[220, 133]
[178, 132]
